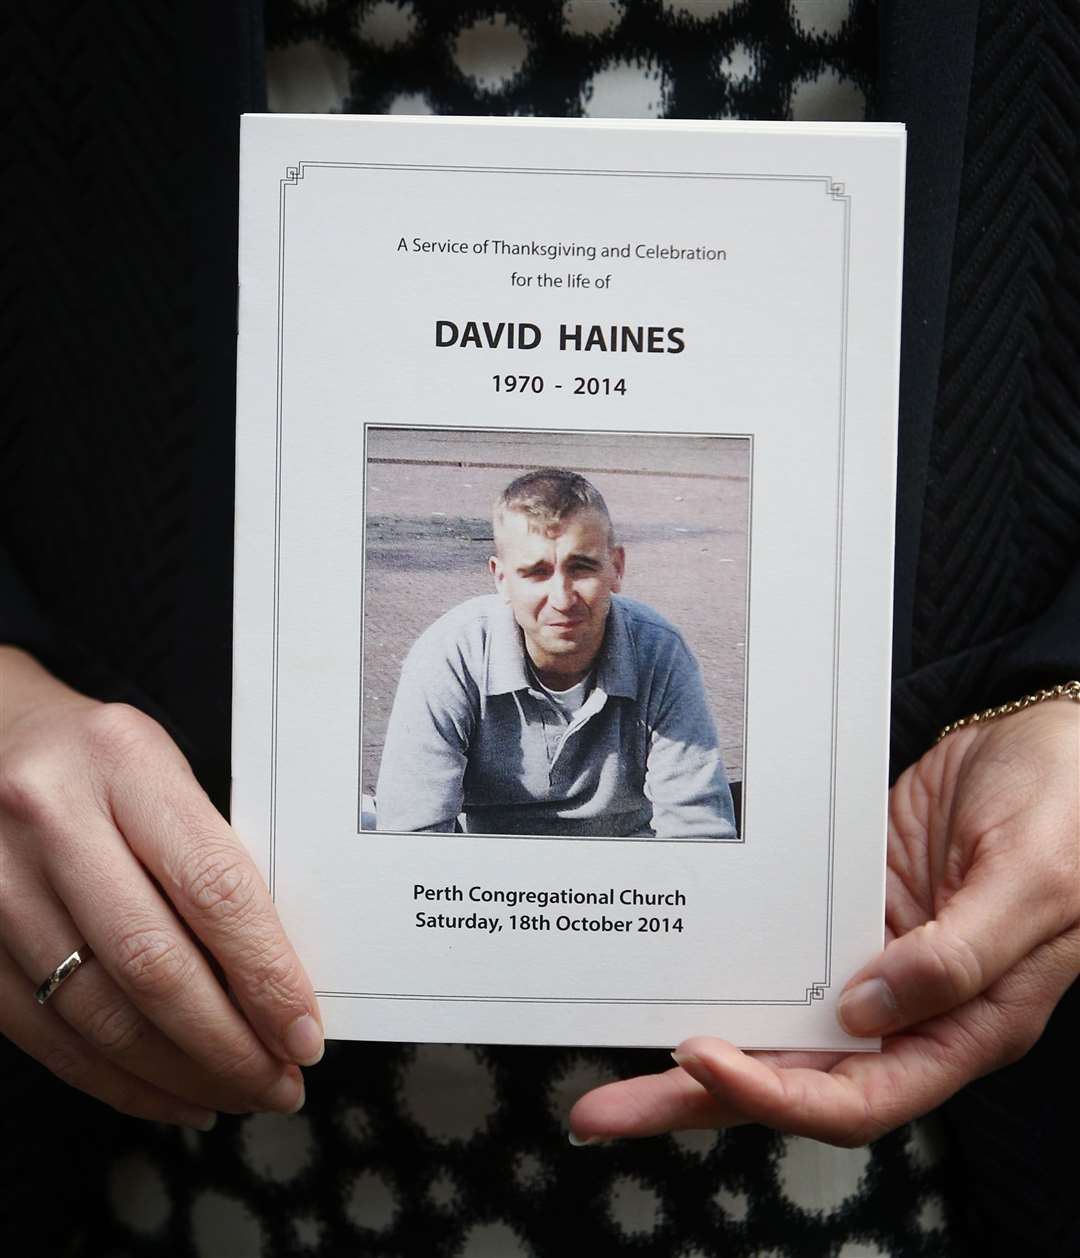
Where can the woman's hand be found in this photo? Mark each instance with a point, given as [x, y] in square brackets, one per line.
[983, 923]
[107, 840]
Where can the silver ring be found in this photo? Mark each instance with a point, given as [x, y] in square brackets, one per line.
[62, 973]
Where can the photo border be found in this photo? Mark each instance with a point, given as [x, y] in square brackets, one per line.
[740, 836]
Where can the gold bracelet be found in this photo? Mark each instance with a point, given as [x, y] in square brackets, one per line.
[1067, 690]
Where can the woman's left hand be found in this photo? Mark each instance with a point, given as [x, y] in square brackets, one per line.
[983, 929]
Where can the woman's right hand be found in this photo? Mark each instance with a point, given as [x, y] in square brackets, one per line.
[108, 841]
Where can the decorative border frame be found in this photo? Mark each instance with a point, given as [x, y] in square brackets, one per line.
[835, 191]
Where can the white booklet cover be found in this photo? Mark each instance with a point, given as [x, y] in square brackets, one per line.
[700, 322]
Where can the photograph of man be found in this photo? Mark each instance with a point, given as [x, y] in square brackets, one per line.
[556, 705]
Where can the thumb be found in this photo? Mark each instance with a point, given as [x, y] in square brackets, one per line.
[981, 934]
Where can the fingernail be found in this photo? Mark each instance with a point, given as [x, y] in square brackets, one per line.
[580, 1143]
[303, 1041]
[286, 1096]
[694, 1067]
[868, 1009]
[200, 1120]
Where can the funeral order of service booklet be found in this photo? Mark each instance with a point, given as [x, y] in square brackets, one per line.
[614, 770]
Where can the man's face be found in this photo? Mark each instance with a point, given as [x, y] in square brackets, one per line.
[559, 583]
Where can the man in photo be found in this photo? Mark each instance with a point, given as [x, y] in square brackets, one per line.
[556, 706]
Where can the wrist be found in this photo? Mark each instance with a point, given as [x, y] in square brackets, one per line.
[28, 688]
[1069, 690]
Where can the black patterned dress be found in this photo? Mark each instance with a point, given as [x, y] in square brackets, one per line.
[462, 1150]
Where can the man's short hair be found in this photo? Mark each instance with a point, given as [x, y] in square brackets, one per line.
[550, 495]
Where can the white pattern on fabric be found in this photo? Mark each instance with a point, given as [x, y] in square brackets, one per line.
[490, 53]
[698, 10]
[821, 18]
[448, 1091]
[932, 1214]
[739, 64]
[820, 1177]
[625, 89]
[277, 1146]
[443, 1192]
[138, 1194]
[308, 1231]
[386, 24]
[925, 1142]
[735, 1204]
[634, 1206]
[592, 17]
[827, 97]
[531, 1172]
[222, 1227]
[370, 1202]
[355, 1122]
[409, 103]
[494, 1240]
[699, 1143]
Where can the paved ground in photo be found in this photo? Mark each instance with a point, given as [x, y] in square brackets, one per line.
[679, 505]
